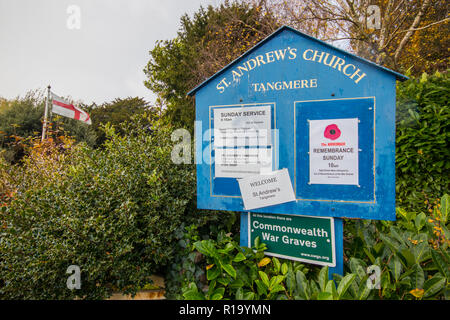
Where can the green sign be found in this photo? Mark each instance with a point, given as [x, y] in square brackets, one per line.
[302, 238]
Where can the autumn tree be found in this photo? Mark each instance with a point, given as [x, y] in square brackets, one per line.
[206, 43]
[115, 113]
[399, 34]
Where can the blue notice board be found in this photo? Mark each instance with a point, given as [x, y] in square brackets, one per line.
[330, 121]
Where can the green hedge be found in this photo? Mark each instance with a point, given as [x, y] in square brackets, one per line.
[112, 211]
[422, 142]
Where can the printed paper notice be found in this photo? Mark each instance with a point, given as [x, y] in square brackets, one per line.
[266, 190]
[242, 126]
[333, 151]
[242, 162]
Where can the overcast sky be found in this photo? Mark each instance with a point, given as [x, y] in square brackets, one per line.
[40, 44]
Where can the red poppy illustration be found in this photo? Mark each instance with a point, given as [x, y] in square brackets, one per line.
[332, 132]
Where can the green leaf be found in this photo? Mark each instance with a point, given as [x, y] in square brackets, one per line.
[393, 245]
[274, 281]
[323, 278]
[445, 231]
[213, 273]
[396, 268]
[224, 280]
[403, 213]
[302, 285]
[353, 289]
[420, 221]
[218, 294]
[238, 283]
[385, 283]
[212, 287]
[240, 294]
[369, 255]
[357, 268]
[249, 295]
[206, 247]
[421, 252]
[440, 264]
[284, 268]
[434, 285]
[417, 277]
[261, 287]
[445, 255]
[239, 257]
[277, 288]
[395, 233]
[363, 291]
[228, 247]
[290, 282]
[331, 288]
[344, 284]
[314, 288]
[408, 256]
[276, 264]
[445, 207]
[264, 277]
[324, 296]
[230, 270]
[257, 242]
[192, 293]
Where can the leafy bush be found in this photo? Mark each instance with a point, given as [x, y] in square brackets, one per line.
[412, 255]
[113, 212]
[422, 142]
[185, 268]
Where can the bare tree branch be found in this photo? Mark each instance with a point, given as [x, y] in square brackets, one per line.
[410, 32]
[428, 25]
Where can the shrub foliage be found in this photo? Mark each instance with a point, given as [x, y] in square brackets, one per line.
[411, 254]
[422, 142]
[111, 211]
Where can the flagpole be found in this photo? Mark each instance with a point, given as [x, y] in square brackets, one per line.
[44, 127]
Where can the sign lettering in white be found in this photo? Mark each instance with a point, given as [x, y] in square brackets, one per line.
[266, 190]
[242, 126]
[333, 151]
[242, 162]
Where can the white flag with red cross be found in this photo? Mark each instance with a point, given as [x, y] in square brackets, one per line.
[67, 109]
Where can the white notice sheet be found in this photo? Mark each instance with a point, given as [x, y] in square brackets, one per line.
[242, 141]
[242, 126]
[333, 151]
[266, 189]
[242, 162]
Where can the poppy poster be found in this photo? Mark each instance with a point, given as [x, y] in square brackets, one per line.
[333, 151]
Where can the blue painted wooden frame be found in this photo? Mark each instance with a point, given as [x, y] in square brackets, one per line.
[378, 86]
